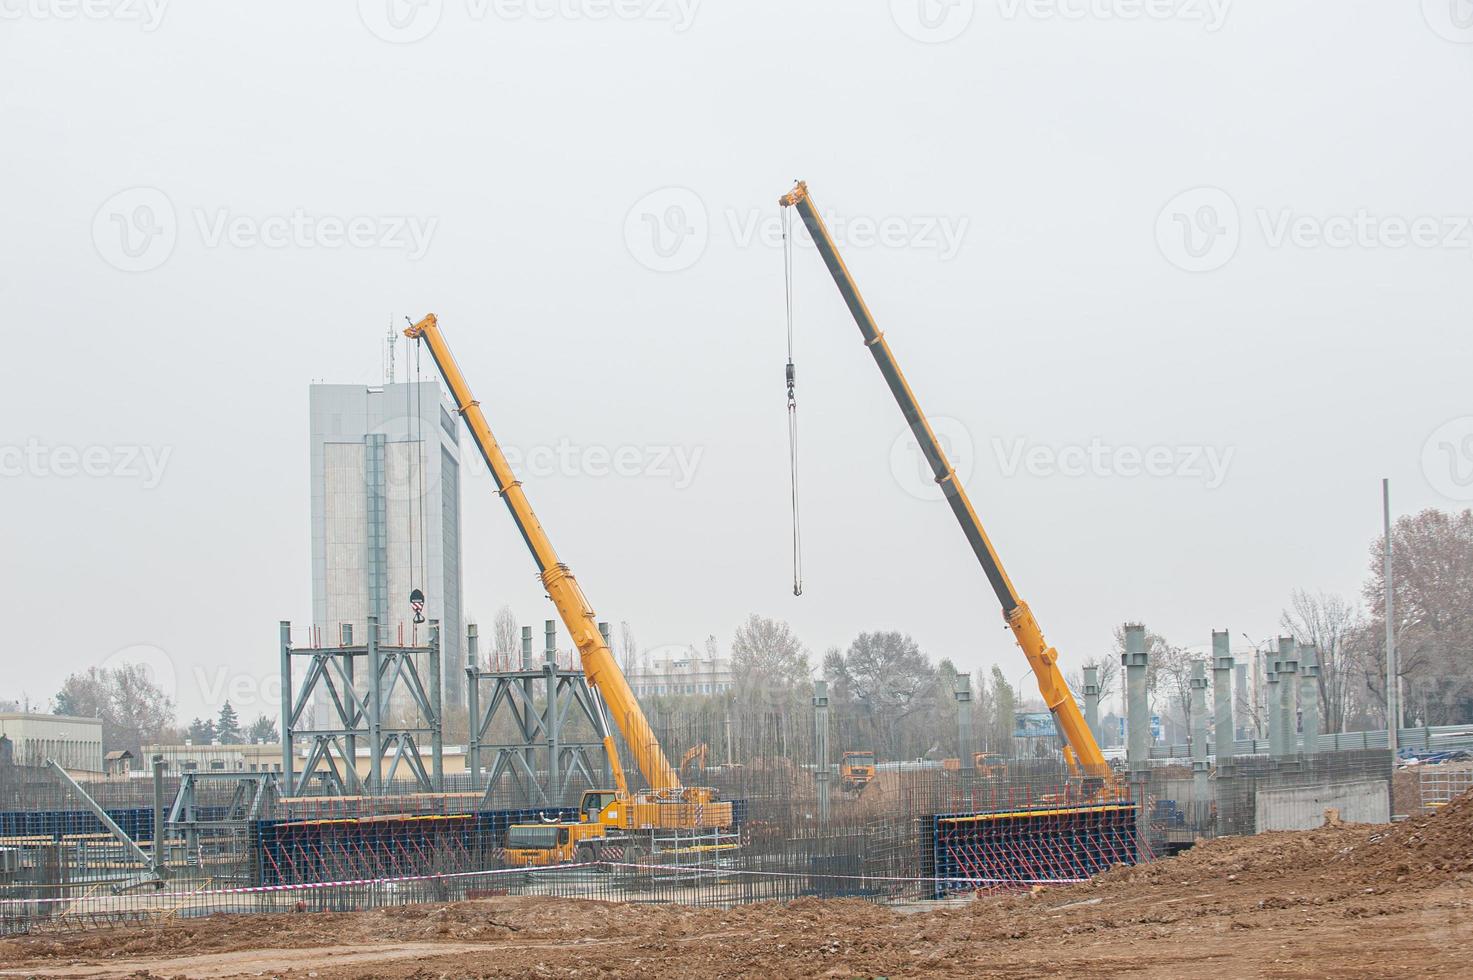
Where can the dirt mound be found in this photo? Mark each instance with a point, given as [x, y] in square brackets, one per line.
[1341, 900]
[1430, 848]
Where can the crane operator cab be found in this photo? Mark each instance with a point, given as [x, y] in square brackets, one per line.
[564, 842]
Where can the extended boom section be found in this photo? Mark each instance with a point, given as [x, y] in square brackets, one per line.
[598, 663]
[1082, 747]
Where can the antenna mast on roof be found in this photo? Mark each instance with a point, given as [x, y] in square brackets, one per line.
[393, 338]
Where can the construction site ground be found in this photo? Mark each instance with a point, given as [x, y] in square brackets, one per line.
[1340, 901]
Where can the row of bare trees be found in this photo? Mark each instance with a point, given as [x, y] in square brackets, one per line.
[1432, 614]
[1432, 617]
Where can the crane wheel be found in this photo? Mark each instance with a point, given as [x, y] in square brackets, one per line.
[585, 854]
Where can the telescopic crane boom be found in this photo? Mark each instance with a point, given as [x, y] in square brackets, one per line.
[562, 588]
[1042, 657]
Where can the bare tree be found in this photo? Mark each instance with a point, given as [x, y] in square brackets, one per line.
[1432, 572]
[134, 710]
[767, 659]
[890, 682]
[628, 649]
[1333, 626]
[1171, 669]
[1004, 702]
[505, 635]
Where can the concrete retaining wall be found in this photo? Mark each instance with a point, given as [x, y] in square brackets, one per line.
[1303, 808]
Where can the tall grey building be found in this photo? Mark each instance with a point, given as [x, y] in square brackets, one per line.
[386, 517]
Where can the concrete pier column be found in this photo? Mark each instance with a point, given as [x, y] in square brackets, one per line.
[1272, 709]
[821, 748]
[1137, 700]
[1092, 702]
[1223, 729]
[1309, 697]
[1136, 661]
[1288, 698]
[1198, 683]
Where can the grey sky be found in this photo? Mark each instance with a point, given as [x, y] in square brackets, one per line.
[1015, 202]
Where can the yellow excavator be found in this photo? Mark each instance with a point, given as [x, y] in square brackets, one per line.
[610, 821]
[1081, 751]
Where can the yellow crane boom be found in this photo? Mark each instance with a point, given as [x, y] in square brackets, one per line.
[1043, 658]
[598, 663]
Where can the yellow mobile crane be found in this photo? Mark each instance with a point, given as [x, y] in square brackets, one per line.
[1082, 752]
[606, 815]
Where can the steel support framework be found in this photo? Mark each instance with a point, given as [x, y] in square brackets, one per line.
[546, 706]
[359, 685]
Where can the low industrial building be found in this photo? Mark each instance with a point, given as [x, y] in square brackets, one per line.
[75, 743]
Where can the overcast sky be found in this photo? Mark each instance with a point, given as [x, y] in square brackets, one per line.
[1181, 281]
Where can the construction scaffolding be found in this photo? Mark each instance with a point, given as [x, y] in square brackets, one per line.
[369, 698]
[541, 723]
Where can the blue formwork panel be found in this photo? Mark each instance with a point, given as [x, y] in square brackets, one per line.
[136, 822]
[1022, 848]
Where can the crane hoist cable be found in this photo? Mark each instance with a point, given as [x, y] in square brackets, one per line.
[792, 379]
[414, 444]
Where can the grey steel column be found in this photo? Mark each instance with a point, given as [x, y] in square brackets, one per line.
[160, 857]
[1309, 697]
[961, 685]
[529, 755]
[1288, 684]
[1092, 702]
[550, 718]
[821, 748]
[1199, 744]
[375, 712]
[1136, 662]
[437, 727]
[473, 703]
[350, 742]
[1271, 707]
[288, 780]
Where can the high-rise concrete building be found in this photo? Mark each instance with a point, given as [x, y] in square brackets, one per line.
[386, 517]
